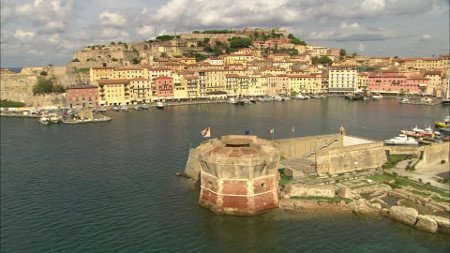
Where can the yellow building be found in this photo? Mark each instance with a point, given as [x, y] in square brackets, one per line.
[100, 74]
[114, 92]
[192, 84]
[215, 80]
[130, 73]
[237, 59]
[141, 90]
[257, 86]
[305, 83]
[237, 85]
[363, 81]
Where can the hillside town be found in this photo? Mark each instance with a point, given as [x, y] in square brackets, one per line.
[220, 64]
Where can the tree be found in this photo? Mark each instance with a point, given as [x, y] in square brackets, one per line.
[295, 40]
[342, 54]
[43, 86]
[164, 37]
[113, 43]
[325, 60]
[206, 41]
[43, 73]
[238, 42]
[135, 60]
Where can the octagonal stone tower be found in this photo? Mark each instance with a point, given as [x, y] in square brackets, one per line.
[238, 174]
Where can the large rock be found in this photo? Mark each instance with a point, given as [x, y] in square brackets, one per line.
[345, 192]
[443, 223]
[406, 215]
[427, 224]
[312, 191]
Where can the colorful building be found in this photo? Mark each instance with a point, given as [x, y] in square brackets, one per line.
[82, 95]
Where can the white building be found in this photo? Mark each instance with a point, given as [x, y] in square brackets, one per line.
[342, 80]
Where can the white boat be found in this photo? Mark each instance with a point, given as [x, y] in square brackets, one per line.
[300, 96]
[116, 108]
[44, 120]
[124, 108]
[401, 139]
[145, 107]
[286, 98]
[405, 101]
[264, 99]
[55, 119]
[377, 96]
[232, 101]
[159, 105]
[317, 96]
[277, 98]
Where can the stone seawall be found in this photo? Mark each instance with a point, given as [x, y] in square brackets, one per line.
[351, 158]
[299, 147]
[434, 154]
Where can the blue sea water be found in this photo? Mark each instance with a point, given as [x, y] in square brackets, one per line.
[111, 187]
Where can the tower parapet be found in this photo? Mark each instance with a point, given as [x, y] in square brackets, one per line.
[238, 174]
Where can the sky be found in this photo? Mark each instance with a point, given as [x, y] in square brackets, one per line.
[42, 32]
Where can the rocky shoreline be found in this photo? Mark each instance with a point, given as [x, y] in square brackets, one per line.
[397, 204]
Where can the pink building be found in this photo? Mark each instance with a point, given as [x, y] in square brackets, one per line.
[164, 87]
[82, 95]
[394, 82]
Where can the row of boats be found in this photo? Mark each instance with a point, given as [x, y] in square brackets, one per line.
[417, 135]
[360, 96]
[252, 100]
[125, 108]
[53, 118]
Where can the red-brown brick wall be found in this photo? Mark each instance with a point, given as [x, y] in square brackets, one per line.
[235, 202]
[234, 187]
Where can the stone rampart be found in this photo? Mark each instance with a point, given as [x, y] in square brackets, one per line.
[434, 154]
[300, 147]
[351, 158]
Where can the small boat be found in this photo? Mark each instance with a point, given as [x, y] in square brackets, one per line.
[116, 108]
[354, 96]
[264, 99]
[159, 105]
[443, 124]
[277, 98]
[232, 101]
[124, 108]
[286, 98]
[55, 119]
[377, 96]
[145, 107]
[412, 133]
[300, 96]
[401, 139]
[253, 100]
[405, 101]
[44, 120]
[316, 96]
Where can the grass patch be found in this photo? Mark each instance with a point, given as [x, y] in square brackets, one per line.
[394, 159]
[424, 194]
[284, 180]
[403, 182]
[439, 199]
[324, 199]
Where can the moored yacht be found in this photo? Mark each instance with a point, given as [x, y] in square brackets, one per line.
[401, 139]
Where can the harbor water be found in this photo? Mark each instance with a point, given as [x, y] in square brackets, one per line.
[111, 186]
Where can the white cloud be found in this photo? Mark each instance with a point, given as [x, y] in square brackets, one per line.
[114, 33]
[54, 26]
[54, 38]
[427, 37]
[145, 31]
[23, 35]
[107, 18]
[353, 32]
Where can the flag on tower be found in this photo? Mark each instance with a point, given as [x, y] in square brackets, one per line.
[206, 132]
